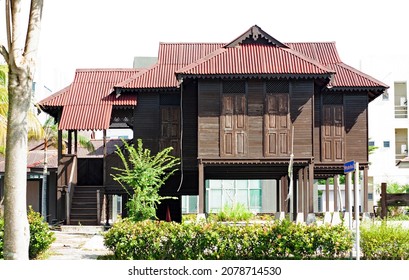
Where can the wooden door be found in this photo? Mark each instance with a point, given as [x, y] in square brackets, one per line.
[170, 129]
[277, 125]
[90, 172]
[233, 124]
[332, 133]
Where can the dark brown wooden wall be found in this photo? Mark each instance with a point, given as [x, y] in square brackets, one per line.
[301, 101]
[147, 120]
[208, 118]
[355, 117]
[356, 126]
[209, 96]
[147, 126]
[255, 117]
[190, 121]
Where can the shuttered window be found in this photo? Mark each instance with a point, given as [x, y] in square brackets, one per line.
[332, 133]
[170, 129]
[233, 119]
[277, 123]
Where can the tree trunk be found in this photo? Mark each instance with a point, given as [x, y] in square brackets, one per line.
[16, 230]
[20, 56]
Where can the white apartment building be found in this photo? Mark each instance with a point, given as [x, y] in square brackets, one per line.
[388, 121]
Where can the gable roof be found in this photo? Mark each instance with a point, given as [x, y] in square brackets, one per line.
[255, 33]
[87, 103]
[255, 59]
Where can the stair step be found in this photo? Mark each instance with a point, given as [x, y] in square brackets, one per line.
[84, 205]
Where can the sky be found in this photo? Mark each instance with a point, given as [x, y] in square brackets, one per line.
[109, 34]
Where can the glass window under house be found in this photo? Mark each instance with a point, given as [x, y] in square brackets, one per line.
[220, 193]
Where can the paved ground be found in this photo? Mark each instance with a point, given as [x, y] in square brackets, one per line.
[77, 246]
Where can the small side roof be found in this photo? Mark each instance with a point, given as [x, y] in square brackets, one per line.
[87, 103]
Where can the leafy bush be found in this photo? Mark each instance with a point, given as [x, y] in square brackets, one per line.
[384, 242]
[154, 240]
[41, 237]
[144, 174]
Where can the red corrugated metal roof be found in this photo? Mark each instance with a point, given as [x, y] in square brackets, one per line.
[346, 76]
[323, 52]
[172, 56]
[248, 59]
[87, 102]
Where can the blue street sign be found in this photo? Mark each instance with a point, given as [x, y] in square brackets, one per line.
[349, 166]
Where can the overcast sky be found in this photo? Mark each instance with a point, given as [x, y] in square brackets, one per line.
[109, 33]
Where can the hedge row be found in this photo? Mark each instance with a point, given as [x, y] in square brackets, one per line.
[155, 240]
[384, 242]
[41, 237]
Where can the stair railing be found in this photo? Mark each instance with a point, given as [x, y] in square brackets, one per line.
[70, 190]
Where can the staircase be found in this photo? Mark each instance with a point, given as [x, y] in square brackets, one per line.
[84, 206]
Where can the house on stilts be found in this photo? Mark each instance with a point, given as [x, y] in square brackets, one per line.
[253, 108]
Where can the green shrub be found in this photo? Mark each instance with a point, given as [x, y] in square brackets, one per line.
[233, 213]
[145, 174]
[155, 240]
[384, 242]
[41, 237]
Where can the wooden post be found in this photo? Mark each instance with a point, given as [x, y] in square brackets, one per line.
[294, 198]
[336, 187]
[107, 210]
[384, 209]
[59, 146]
[327, 195]
[98, 207]
[201, 188]
[311, 187]
[300, 186]
[284, 192]
[75, 141]
[278, 195]
[69, 150]
[305, 193]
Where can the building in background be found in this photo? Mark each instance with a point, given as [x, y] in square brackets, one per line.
[389, 122]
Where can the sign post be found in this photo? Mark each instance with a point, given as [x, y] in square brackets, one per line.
[348, 168]
[356, 189]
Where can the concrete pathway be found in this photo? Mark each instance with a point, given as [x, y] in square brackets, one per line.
[77, 246]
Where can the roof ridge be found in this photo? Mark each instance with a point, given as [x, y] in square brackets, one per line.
[192, 43]
[105, 69]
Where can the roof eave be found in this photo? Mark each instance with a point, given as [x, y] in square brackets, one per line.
[155, 89]
[253, 76]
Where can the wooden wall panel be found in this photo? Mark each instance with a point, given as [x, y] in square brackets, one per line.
[302, 93]
[147, 120]
[208, 118]
[190, 125]
[356, 126]
[317, 126]
[255, 103]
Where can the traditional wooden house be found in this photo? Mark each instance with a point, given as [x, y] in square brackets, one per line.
[254, 108]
